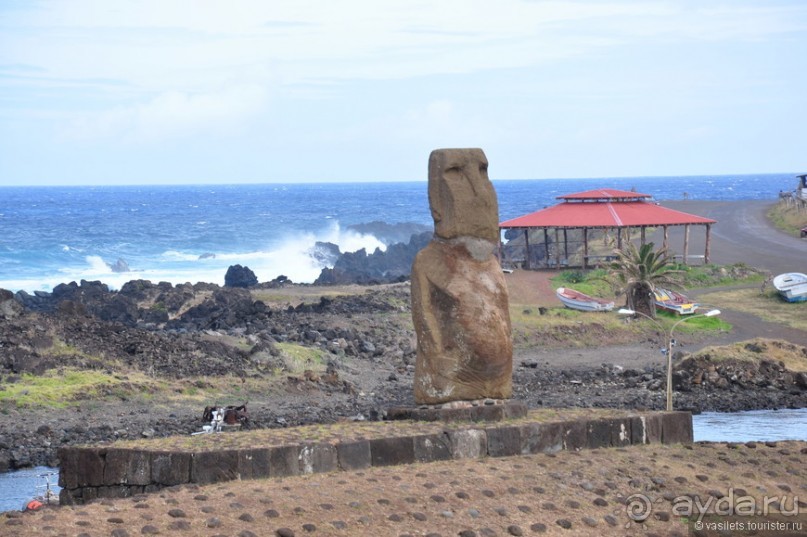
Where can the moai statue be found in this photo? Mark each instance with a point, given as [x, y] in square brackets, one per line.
[459, 296]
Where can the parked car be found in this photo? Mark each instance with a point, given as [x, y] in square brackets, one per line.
[804, 232]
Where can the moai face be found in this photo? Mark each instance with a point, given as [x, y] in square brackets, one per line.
[461, 197]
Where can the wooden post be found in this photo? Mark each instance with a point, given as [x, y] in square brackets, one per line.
[585, 248]
[643, 235]
[527, 248]
[566, 246]
[546, 247]
[557, 248]
[666, 243]
[707, 253]
[686, 243]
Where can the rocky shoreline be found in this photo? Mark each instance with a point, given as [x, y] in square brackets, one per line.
[205, 332]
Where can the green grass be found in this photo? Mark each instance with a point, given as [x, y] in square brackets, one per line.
[57, 389]
[692, 323]
[64, 388]
[299, 358]
[590, 282]
[298, 295]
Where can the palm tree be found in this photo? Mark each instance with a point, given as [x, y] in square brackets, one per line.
[637, 271]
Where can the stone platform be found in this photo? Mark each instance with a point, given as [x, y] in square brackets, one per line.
[124, 469]
[474, 411]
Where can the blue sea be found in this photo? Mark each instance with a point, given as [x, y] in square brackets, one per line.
[52, 235]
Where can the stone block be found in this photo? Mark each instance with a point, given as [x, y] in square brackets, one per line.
[399, 413]
[676, 427]
[455, 414]
[127, 467]
[541, 438]
[214, 466]
[90, 464]
[68, 461]
[468, 443]
[316, 458]
[515, 410]
[489, 413]
[169, 468]
[652, 428]
[504, 441]
[620, 432]
[284, 461]
[598, 433]
[638, 435]
[432, 447]
[115, 491]
[354, 455]
[575, 435]
[253, 463]
[68, 497]
[392, 451]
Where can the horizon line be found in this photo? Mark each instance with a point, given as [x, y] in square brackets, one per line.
[321, 182]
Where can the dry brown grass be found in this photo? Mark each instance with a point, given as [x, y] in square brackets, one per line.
[768, 306]
[794, 357]
[294, 295]
[346, 431]
[509, 496]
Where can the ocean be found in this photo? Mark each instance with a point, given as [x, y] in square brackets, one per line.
[178, 234]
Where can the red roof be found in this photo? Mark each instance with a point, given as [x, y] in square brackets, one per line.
[605, 214]
[603, 194]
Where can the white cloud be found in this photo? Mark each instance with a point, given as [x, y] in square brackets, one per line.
[303, 77]
[164, 45]
[172, 114]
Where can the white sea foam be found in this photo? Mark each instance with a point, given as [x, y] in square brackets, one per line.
[290, 257]
[97, 265]
[173, 255]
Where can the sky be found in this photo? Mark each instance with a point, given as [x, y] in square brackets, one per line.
[108, 92]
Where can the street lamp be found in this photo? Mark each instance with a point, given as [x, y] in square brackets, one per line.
[669, 343]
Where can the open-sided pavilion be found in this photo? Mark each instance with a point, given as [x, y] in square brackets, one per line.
[604, 209]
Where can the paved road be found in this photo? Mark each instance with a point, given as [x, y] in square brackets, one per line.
[742, 235]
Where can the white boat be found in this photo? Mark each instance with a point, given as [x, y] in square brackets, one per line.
[581, 301]
[792, 286]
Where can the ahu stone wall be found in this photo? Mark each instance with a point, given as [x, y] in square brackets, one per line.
[89, 473]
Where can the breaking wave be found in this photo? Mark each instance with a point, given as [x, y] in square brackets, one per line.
[291, 257]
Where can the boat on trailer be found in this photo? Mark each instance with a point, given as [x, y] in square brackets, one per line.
[672, 301]
[792, 286]
[581, 301]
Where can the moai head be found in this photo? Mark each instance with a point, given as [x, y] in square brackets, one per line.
[461, 197]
